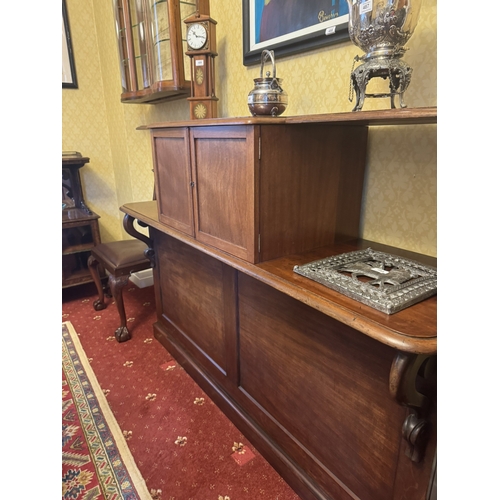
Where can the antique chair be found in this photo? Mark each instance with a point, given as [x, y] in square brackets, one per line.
[119, 259]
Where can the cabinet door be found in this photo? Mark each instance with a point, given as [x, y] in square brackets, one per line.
[173, 178]
[224, 169]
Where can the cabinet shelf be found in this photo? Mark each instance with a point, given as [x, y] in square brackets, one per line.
[401, 116]
[78, 249]
[74, 269]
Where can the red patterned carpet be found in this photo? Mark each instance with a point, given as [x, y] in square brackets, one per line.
[183, 445]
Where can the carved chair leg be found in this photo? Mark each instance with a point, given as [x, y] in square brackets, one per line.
[106, 289]
[93, 265]
[116, 285]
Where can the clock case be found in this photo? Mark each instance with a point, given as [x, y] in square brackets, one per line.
[203, 101]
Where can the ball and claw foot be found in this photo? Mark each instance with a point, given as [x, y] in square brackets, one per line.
[98, 305]
[122, 334]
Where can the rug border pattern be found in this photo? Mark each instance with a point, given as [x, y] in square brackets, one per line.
[121, 480]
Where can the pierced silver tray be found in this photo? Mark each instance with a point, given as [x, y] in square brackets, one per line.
[380, 280]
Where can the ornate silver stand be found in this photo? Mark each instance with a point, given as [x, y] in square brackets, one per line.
[381, 29]
[394, 68]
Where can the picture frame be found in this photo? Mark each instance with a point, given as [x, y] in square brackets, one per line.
[68, 62]
[298, 26]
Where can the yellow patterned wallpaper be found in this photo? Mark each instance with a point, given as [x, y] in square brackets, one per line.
[399, 206]
[85, 120]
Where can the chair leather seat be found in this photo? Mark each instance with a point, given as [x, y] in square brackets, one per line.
[124, 254]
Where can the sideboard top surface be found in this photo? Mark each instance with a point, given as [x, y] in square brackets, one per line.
[411, 330]
[399, 116]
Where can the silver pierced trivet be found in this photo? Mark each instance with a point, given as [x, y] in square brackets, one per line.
[380, 280]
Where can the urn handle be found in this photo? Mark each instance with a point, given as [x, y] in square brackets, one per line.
[267, 54]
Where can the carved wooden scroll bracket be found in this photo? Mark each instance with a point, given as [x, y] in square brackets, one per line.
[128, 224]
[412, 384]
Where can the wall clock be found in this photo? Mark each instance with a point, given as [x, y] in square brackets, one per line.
[202, 50]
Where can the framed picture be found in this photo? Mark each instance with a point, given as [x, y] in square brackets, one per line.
[68, 61]
[291, 26]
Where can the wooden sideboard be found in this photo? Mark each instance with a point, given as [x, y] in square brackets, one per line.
[339, 397]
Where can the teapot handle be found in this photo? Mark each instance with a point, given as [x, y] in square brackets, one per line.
[267, 54]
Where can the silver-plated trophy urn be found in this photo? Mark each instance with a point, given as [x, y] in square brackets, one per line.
[381, 29]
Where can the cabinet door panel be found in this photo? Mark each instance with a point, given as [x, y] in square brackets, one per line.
[198, 299]
[173, 178]
[223, 170]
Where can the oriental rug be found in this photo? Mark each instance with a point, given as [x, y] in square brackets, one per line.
[96, 461]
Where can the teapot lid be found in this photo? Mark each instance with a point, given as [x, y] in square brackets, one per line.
[267, 79]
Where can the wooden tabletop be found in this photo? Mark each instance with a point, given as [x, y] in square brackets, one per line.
[398, 116]
[413, 329]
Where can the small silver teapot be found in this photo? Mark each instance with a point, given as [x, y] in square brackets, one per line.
[267, 97]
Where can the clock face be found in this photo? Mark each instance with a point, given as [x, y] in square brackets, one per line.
[196, 36]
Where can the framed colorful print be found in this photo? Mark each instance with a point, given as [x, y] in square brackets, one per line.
[68, 61]
[291, 26]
